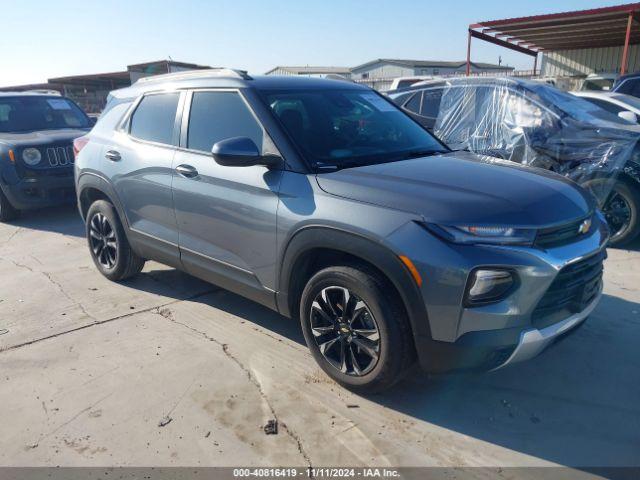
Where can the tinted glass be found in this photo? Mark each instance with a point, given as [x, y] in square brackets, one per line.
[217, 116]
[610, 107]
[630, 87]
[154, 118]
[31, 113]
[413, 105]
[431, 103]
[343, 128]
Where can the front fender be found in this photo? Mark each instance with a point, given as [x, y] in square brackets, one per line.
[383, 258]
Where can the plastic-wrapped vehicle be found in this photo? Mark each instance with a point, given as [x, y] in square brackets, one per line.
[540, 126]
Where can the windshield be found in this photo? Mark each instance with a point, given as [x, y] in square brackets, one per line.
[27, 114]
[345, 128]
[598, 84]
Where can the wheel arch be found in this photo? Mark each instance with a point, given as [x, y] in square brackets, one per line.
[313, 247]
[92, 187]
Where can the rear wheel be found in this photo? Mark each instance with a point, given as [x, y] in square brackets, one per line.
[621, 208]
[7, 211]
[356, 328]
[108, 244]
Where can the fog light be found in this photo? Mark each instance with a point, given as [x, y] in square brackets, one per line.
[486, 286]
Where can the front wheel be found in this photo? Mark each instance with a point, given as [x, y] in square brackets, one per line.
[108, 244]
[621, 208]
[356, 328]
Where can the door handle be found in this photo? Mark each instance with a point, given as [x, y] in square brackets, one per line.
[187, 171]
[113, 155]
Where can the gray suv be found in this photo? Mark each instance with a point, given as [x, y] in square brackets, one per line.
[324, 201]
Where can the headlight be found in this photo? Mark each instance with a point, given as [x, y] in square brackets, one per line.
[469, 234]
[31, 156]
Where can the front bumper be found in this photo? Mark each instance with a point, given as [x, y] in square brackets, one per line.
[38, 192]
[533, 341]
[512, 330]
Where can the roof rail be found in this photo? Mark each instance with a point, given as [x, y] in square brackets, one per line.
[208, 72]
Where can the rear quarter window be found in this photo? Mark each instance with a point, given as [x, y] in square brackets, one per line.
[154, 118]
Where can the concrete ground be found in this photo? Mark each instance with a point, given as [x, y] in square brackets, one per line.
[166, 370]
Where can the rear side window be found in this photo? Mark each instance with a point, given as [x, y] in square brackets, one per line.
[216, 116]
[431, 103]
[413, 105]
[154, 118]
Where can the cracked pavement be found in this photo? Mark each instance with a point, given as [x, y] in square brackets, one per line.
[166, 370]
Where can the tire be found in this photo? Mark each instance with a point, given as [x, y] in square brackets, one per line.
[625, 194]
[378, 307]
[7, 211]
[108, 244]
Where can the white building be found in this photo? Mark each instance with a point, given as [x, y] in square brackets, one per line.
[309, 71]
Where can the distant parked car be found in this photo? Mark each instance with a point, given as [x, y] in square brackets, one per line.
[625, 106]
[36, 152]
[599, 82]
[628, 84]
[404, 82]
[538, 125]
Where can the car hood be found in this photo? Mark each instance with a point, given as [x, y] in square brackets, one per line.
[42, 137]
[459, 188]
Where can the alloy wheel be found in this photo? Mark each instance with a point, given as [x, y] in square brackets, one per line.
[617, 212]
[104, 243]
[345, 331]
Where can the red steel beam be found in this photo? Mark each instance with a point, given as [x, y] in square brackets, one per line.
[497, 41]
[561, 16]
[625, 51]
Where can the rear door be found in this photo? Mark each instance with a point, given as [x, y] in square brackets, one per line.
[226, 215]
[140, 164]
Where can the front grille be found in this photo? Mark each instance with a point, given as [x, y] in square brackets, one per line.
[575, 287]
[557, 236]
[60, 156]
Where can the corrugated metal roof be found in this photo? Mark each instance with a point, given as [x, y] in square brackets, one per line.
[597, 27]
[431, 63]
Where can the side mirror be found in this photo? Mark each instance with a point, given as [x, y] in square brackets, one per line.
[238, 152]
[628, 116]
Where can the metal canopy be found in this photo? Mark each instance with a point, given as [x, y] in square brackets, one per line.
[595, 28]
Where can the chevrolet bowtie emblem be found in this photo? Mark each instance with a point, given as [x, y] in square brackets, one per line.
[585, 226]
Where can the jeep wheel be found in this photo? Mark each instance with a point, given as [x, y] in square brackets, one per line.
[7, 211]
[356, 328]
[108, 244]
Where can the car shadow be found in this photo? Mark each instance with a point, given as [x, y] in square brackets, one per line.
[577, 404]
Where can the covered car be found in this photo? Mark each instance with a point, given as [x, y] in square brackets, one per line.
[540, 126]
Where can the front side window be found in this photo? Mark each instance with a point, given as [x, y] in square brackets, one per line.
[32, 113]
[216, 116]
[343, 128]
[155, 117]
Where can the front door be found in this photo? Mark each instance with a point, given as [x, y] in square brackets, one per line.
[226, 215]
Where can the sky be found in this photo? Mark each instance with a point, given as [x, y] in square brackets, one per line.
[45, 39]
